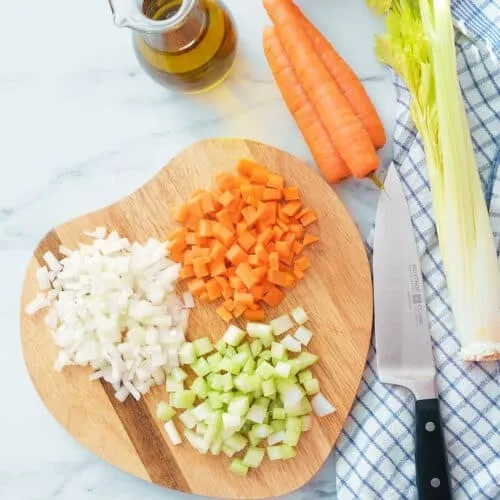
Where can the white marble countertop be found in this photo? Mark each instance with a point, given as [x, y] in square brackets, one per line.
[81, 126]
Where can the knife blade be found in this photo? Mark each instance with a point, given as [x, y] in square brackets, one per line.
[402, 335]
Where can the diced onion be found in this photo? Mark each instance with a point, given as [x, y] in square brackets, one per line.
[172, 432]
[303, 335]
[291, 344]
[321, 405]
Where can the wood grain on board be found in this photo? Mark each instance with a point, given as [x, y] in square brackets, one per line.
[336, 292]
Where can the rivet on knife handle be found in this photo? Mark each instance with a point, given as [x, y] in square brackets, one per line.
[433, 479]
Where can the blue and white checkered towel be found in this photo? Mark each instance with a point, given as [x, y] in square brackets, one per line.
[375, 453]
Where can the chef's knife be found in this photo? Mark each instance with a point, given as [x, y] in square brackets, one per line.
[402, 336]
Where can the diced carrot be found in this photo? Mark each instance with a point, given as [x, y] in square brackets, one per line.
[217, 269]
[260, 273]
[308, 218]
[186, 272]
[196, 287]
[254, 315]
[243, 298]
[226, 198]
[239, 310]
[257, 292]
[258, 191]
[292, 207]
[177, 245]
[204, 297]
[192, 223]
[298, 273]
[287, 259]
[178, 233]
[261, 253]
[291, 193]
[195, 206]
[246, 240]
[259, 177]
[246, 167]
[226, 181]
[273, 297]
[283, 248]
[297, 247]
[289, 238]
[205, 228]
[265, 237]
[177, 256]
[191, 238]
[274, 261]
[309, 239]
[277, 277]
[283, 225]
[181, 213]
[246, 274]
[271, 194]
[224, 217]
[249, 214]
[271, 247]
[201, 270]
[246, 191]
[241, 227]
[208, 203]
[275, 181]
[213, 289]
[302, 263]
[229, 305]
[218, 251]
[290, 280]
[231, 271]
[236, 255]
[223, 234]
[224, 314]
[283, 217]
[253, 260]
[278, 231]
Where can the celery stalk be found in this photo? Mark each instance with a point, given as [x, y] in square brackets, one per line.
[419, 45]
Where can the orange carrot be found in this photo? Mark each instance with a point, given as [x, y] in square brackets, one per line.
[347, 80]
[308, 121]
[345, 129]
[224, 314]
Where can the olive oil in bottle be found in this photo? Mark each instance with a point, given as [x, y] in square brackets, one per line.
[191, 45]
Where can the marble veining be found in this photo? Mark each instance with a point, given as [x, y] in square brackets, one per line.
[81, 126]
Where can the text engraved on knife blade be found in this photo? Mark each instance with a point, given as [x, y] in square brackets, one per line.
[415, 295]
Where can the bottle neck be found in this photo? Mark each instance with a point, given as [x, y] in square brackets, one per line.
[176, 25]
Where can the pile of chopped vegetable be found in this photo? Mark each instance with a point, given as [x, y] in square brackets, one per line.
[242, 242]
[112, 305]
[250, 395]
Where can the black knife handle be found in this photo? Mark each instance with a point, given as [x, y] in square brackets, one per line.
[433, 480]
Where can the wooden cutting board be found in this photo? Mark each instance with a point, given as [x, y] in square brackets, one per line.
[337, 293]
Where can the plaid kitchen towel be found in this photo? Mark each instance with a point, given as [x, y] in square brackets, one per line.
[375, 453]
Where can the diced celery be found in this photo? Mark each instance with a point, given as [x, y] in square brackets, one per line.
[305, 375]
[268, 388]
[256, 347]
[239, 405]
[264, 402]
[214, 427]
[227, 397]
[202, 412]
[237, 442]
[164, 411]
[277, 425]
[299, 315]
[258, 330]
[230, 351]
[214, 361]
[200, 387]
[196, 441]
[265, 371]
[256, 414]
[227, 382]
[182, 399]
[249, 366]
[215, 400]
[291, 394]
[283, 369]
[279, 414]
[221, 346]
[188, 419]
[173, 385]
[201, 367]
[202, 346]
[246, 383]
[245, 347]
[258, 391]
[277, 351]
[287, 451]
[274, 452]
[172, 432]
[293, 429]
[303, 407]
[178, 374]
[311, 386]
[241, 358]
[253, 457]
[281, 324]
[228, 365]
[254, 440]
[276, 438]
[238, 467]
[247, 427]
[187, 356]
[233, 335]
[201, 428]
[215, 382]
[228, 451]
[305, 360]
[265, 355]
[267, 340]
[261, 430]
[216, 446]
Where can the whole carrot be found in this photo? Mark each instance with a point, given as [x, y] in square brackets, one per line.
[308, 121]
[346, 130]
[347, 80]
